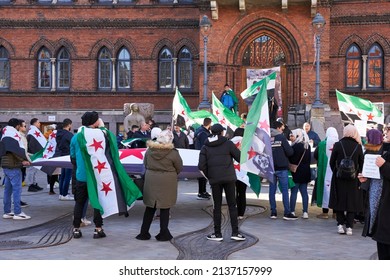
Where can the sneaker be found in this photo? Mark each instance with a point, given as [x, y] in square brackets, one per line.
[290, 217]
[37, 187]
[98, 234]
[23, 184]
[77, 233]
[237, 237]
[23, 204]
[274, 215]
[32, 188]
[85, 222]
[9, 215]
[293, 213]
[323, 216]
[215, 237]
[21, 216]
[56, 185]
[203, 196]
[349, 231]
[340, 229]
[66, 197]
[240, 217]
[305, 215]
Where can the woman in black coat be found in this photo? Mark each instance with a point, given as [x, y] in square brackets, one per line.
[302, 158]
[345, 194]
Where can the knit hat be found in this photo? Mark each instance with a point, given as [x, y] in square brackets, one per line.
[217, 129]
[165, 137]
[374, 137]
[89, 118]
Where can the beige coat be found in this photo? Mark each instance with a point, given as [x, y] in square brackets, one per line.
[162, 163]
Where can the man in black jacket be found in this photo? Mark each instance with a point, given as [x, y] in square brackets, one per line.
[281, 151]
[201, 134]
[216, 163]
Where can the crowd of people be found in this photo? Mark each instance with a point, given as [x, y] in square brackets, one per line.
[352, 197]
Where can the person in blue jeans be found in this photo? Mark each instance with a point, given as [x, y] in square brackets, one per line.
[302, 158]
[281, 151]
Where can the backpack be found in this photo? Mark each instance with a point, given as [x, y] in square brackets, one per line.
[347, 170]
[227, 100]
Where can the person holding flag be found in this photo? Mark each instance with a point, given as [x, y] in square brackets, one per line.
[229, 99]
[13, 157]
[99, 174]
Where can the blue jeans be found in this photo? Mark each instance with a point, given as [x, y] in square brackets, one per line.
[302, 187]
[13, 186]
[282, 177]
[66, 175]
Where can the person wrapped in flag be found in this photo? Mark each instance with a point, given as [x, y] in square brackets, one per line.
[100, 175]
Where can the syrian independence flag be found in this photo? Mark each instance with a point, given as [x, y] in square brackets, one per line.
[250, 93]
[353, 108]
[110, 189]
[36, 139]
[46, 153]
[225, 116]
[256, 151]
[12, 142]
[183, 116]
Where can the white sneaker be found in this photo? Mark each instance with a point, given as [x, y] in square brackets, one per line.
[340, 229]
[21, 216]
[85, 222]
[66, 198]
[305, 215]
[293, 213]
[56, 185]
[9, 215]
[349, 231]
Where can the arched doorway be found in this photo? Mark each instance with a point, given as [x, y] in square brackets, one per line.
[265, 43]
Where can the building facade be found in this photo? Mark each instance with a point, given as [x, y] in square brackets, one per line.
[59, 58]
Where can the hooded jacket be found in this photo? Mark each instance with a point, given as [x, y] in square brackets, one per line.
[162, 163]
[216, 159]
[281, 150]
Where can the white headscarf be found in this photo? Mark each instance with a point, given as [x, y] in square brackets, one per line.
[300, 137]
[332, 137]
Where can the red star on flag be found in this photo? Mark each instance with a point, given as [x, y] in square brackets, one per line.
[52, 135]
[264, 125]
[37, 134]
[183, 112]
[370, 117]
[100, 166]
[238, 144]
[132, 152]
[359, 114]
[17, 136]
[217, 112]
[96, 144]
[50, 149]
[237, 166]
[223, 121]
[44, 156]
[251, 153]
[106, 188]
[4, 130]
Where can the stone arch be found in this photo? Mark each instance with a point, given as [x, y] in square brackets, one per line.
[99, 45]
[189, 44]
[38, 45]
[157, 48]
[353, 39]
[376, 38]
[67, 45]
[120, 43]
[10, 49]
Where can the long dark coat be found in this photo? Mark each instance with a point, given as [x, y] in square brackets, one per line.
[346, 195]
[163, 163]
[303, 171]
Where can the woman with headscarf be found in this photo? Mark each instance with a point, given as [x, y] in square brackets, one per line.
[345, 194]
[372, 187]
[301, 157]
[324, 172]
[162, 163]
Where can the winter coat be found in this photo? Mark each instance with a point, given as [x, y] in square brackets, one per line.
[180, 141]
[345, 195]
[303, 171]
[200, 137]
[381, 231]
[162, 163]
[216, 159]
[281, 150]
[63, 139]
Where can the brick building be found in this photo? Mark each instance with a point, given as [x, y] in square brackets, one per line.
[59, 58]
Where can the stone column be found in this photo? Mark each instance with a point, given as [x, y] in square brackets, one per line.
[364, 85]
[53, 74]
[113, 88]
[174, 73]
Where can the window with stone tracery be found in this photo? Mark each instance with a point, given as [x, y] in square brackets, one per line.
[354, 66]
[4, 68]
[264, 52]
[375, 67]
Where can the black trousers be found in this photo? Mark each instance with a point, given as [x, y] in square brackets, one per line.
[202, 182]
[80, 197]
[383, 251]
[164, 234]
[240, 197]
[345, 219]
[230, 193]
